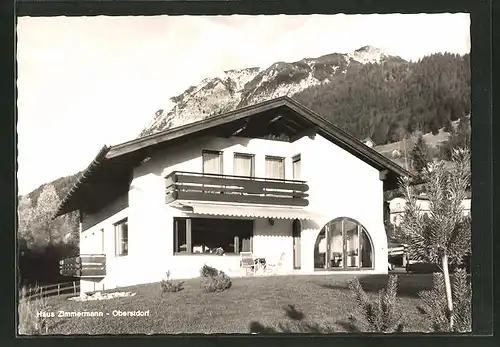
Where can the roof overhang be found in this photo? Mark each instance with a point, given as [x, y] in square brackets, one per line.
[110, 172]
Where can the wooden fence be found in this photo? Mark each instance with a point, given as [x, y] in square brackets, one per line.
[52, 290]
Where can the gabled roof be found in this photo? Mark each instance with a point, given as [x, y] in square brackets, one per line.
[110, 172]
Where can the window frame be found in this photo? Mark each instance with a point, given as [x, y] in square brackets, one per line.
[283, 161]
[296, 158]
[252, 159]
[212, 151]
[118, 237]
[189, 239]
[360, 229]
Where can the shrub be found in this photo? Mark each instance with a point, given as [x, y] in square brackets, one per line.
[435, 305]
[29, 323]
[208, 271]
[171, 286]
[217, 283]
[381, 314]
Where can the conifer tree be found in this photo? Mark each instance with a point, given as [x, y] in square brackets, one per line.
[444, 235]
[420, 155]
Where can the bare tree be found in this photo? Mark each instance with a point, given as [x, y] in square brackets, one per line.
[25, 213]
[45, 208]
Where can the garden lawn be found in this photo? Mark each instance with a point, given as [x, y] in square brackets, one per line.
[252, 304]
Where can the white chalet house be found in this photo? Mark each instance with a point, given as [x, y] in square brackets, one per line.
[274, 179]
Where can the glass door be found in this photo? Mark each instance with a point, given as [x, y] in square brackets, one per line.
[351, 244]
[343, 244]
[335, 243]
[296, 231]
[320, 250]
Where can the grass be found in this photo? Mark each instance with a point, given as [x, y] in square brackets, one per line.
[251, 305]
[29, 323]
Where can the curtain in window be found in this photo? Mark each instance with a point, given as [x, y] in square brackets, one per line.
[246, 245]
[243, 165]
[212, 162]
[296, 169]
[275, 168]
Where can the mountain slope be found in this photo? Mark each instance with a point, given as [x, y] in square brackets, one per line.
[388, 100]
[238, 88]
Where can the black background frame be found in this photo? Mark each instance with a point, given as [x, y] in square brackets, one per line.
[482, 124]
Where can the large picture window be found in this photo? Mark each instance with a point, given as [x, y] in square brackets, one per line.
[275, 167]
[212, 236]
[121, 238]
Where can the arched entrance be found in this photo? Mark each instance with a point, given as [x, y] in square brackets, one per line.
[343, 244]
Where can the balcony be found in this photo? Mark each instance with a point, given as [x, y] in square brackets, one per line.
[236, 189]
[85, 265]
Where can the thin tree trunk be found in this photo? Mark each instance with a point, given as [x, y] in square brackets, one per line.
[447, 285]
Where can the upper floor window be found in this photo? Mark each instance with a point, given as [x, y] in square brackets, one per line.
[243, 165]
[121, 238]
[212, 162]
[296, 167]
[275, 167]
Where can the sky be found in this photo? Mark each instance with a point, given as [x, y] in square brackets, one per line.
[86, 82]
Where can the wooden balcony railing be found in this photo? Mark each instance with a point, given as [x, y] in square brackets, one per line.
[182, 185]
[85, 265]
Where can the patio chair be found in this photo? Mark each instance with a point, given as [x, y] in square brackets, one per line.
[275, 268]
[247, 262]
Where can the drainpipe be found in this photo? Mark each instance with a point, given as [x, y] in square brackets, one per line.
[80, 229]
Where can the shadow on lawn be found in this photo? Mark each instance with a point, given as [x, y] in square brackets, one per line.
[409, 285]
[297, 324]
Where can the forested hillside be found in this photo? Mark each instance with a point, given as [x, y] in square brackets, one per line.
[42, 241]
[388, 100]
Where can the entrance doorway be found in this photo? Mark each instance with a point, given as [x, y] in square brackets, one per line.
[343, 244]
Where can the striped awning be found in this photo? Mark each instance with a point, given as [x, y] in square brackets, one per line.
[233, 210]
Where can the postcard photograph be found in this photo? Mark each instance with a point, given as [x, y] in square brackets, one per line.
[244, 174]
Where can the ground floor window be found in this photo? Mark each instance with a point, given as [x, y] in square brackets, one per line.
[343, 244]
[212, 236]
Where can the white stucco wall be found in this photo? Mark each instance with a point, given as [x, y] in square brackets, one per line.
[341, 185]
[100, 239]
[149, 212]
[274, 242]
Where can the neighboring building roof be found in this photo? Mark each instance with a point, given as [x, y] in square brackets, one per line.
[468, 195]
[109, 174]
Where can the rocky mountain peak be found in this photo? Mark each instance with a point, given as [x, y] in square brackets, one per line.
[368, 54]
[237, 88]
